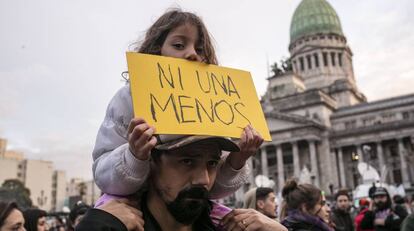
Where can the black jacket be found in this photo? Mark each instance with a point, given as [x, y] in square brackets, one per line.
[96, 219]
[295, 225]
[342, 220]
[392, 222]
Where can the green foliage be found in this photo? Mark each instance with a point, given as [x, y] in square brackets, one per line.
[14, 190]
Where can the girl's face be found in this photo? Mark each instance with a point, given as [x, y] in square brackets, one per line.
[42, 225]
[14, 222]
[183, 42]
[322, 210]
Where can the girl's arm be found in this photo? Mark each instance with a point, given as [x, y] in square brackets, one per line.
[115, 169]
[233, 171]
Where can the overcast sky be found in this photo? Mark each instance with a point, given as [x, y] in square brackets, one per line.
[60, 61]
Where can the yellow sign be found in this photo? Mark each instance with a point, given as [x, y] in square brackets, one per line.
[178, 96]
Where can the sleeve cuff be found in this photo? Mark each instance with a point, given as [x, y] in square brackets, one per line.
[135, 167]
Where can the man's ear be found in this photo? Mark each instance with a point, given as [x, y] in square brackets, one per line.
[260, 204]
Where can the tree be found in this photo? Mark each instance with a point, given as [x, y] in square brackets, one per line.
[14, 190]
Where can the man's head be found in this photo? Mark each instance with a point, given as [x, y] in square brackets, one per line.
[266, 202]
[382, 199]
[183, 172]
[342, 200]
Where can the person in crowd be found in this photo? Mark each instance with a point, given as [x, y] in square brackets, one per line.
[341, 217]
[58, 224]
[125, 142]
[77, 212]
[380, 215]
[11, 218]
[305, 207]
[263, 200]
[408, 223]
[35, 220]
[363, 208]
[401, 204]
[165, 204]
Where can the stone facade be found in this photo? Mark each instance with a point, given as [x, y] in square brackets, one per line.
[319, 120]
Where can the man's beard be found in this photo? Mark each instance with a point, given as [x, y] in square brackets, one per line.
[381, 205]
[189, 204]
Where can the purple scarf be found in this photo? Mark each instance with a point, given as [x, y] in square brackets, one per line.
[301, 217]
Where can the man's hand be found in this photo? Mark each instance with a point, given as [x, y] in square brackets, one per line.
[124, 210]
[140, 138]
[251, 220]
[249, 143]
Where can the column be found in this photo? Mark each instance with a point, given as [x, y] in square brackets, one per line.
[404, 172]
[380, 155]
[360, 153]
[314, 161]
[295, 152]
[280, 170]
[251, 174]
[263, 156]
[341, 167]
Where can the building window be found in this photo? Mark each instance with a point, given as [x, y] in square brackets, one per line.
[325, 59]
[294, 64]
[278, 88]
[333, 58]
[388, 117]
[302, 65]
[406, 115]
[340, 59]
[308, 59]
[368, 121]
[316, 60]
[350, 124]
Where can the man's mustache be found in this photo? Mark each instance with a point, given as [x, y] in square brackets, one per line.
[194, 192]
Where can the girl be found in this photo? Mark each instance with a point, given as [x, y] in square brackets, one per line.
[35, 220]
[11, 218]
[306, 207]
[123, 142]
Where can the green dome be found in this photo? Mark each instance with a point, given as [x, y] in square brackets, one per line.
[314, 17]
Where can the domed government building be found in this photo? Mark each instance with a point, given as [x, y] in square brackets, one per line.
[321, 124]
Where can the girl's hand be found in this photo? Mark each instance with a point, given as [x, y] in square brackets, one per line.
[249, 143]
[140, 138]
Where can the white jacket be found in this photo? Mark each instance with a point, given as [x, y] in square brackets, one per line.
[117, 171]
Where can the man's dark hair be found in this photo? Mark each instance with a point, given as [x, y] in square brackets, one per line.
[262, 193]
[342, 192]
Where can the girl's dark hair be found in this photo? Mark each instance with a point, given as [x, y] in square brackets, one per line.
[295, 195]
[31, 217]
[5, 209]
[157, 33]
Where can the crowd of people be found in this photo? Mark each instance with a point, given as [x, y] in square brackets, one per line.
[168, 182]
[302, 207]
[13, 218]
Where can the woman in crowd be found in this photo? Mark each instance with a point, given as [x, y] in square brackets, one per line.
[305, 208]
[35, 220]
[11, 218]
